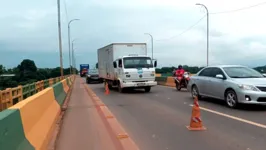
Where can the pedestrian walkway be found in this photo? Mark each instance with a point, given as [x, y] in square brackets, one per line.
[83, 128]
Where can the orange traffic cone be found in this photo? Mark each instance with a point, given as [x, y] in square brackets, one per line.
[196, 122]
[107, 92]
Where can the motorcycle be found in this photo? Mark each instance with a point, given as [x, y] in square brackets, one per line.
[182, 82]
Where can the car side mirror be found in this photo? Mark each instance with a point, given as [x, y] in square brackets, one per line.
[219, 76]
[114, 64]
[155, 63]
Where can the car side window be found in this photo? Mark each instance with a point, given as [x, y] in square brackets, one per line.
[206, 72]
[216, 71]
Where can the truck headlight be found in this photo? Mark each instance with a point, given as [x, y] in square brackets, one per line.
[248, 87]
[88, 75]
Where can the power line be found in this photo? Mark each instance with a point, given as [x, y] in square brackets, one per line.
[240, 9]
[189, 28]
[65, 4]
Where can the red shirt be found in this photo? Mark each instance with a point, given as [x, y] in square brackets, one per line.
[179, 72]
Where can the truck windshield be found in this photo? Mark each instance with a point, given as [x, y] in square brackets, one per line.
[137, 62]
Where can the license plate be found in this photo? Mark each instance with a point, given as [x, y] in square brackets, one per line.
[140, 84]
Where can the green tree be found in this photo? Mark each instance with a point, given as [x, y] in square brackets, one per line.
[27, 71]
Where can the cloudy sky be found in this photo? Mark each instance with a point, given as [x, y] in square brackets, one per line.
[28, 29]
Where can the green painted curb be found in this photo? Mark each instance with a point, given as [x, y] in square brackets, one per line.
[12, 135]
[59, 93]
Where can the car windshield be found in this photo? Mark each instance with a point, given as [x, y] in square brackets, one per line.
[242, 72]
[93, 71]
[137, 62]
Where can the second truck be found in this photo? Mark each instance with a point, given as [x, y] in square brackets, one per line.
[127, 65]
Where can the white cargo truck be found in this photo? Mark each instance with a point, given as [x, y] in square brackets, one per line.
[126, 65]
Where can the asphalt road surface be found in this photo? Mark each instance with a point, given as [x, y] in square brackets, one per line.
[158, 120]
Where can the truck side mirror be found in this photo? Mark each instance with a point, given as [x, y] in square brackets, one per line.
[97, 66]
[155, 63]
[114, 64]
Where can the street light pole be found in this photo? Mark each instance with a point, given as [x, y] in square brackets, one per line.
[70, 68]
[151, 44]
[60, 38]
[207, 31]
[73, 53]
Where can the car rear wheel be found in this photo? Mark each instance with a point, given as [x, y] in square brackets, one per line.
[195, 92]
[231, 99]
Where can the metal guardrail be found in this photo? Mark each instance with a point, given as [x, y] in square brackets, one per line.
[11, 96]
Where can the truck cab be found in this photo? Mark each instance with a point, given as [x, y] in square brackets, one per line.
[135, 71]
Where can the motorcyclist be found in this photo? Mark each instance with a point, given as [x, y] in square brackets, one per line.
[180, 71]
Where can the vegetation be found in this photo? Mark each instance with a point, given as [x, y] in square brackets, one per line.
[195, 69]
[27, 72]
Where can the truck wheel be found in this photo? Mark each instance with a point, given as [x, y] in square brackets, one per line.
[110, 86]
[147, 89]
[120, 89]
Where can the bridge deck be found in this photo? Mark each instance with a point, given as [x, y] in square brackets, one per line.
[82, 127]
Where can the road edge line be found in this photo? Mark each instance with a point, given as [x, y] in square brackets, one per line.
[233, 117]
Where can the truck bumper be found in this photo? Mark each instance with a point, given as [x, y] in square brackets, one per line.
[138, 84]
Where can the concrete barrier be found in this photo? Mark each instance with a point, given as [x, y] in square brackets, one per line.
[167, 81]
[29, 124]
[12, 135]
[158, 75]
[170, 81]
[39, 114]
[65, 86]
[59, 93]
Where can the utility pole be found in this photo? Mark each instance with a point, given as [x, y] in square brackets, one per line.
[60, 38]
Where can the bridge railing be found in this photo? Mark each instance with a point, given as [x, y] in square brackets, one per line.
[11, 96]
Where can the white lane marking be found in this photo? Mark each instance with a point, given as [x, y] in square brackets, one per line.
[168, 98]
[233, 117]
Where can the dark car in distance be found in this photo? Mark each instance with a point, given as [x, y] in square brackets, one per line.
[93, 76]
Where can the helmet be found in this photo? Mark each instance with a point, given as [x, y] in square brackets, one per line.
[180, 67]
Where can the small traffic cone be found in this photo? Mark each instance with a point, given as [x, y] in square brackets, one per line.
[196, 122]
[107, 92]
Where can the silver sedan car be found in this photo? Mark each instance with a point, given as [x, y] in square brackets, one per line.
[232, 83]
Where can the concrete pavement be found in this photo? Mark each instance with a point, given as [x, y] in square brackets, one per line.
[157, 120]
[83, 128]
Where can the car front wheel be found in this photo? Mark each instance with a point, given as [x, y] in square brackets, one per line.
[195, 92]
[231, 99]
